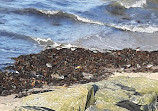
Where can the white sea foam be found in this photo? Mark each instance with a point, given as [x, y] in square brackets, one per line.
[69, 46]
[49, 43]
[139, 3]
[76, 17]
[56, 44]
[147, 29]
[42, 40]
[139, 28]
[49, 12]
[88, 21]
[129, 27]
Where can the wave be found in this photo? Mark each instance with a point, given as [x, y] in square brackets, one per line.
[139, 3]
[115, 8]
[138, 28]
[14, 35]
[49, 43]
[128, 4]
[122, 4]
[72, 16]
[128, 27]
[57, 13]
[40, 41]
[45, 42]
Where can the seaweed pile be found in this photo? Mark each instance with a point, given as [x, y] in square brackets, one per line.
[67, 66]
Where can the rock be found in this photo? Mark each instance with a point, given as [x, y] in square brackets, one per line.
[129, 105]
[5, 93]
[87, 75]
[49, 65]
[108, 96]
[114, 94]
[149, 101]
[140, 84]
[116, 8]
[126, 93]
[145, 99]
[65, 99]
[57, 76]
[149, 65]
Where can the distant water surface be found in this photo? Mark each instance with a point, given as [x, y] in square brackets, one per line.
[26, 26]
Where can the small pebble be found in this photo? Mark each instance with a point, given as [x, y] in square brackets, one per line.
[49, 65]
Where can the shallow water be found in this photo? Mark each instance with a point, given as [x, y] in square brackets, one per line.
[26, 26]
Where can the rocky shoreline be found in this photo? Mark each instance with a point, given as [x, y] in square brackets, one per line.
[118, 93]
[68, 66]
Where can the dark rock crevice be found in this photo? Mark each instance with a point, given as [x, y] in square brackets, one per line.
[129, 105]
[37, 108]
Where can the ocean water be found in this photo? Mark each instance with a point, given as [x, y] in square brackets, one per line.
[28, 26]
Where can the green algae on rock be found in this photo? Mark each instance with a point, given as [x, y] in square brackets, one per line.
[140, 84]
[114, 94]
[64, 99]
[120, 89]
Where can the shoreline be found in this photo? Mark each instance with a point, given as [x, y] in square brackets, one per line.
[8, 103]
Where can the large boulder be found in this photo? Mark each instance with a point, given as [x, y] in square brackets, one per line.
[114, 94]
[127, 93]
[76, 98]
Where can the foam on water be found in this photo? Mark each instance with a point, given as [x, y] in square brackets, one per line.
[46, 42]
[138, 3]
[134, 28]
[72, 16]
[128, 26]
[43, 41]
[49, 12]
[88, 21]
[138, 28]
[120, 40]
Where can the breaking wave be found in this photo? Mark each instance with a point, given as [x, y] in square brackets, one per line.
[138, 3]
[119, 5]
[40, 41]
[14, 35]
[126, 27]
[45, 41]
[49, 43]
[146, 29]
[56, 13]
